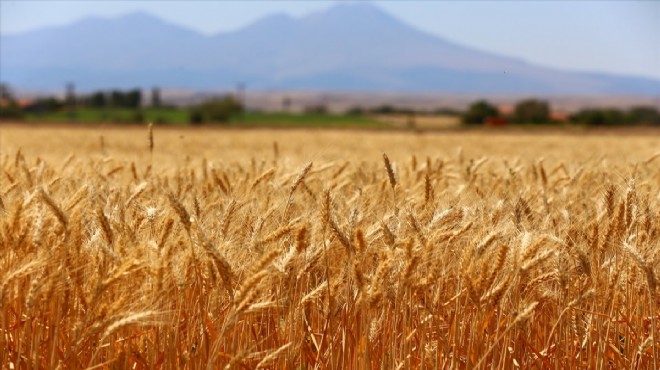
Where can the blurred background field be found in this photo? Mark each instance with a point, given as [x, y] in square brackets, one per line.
[178, 145]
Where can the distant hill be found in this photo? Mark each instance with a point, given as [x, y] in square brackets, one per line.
[350, 47]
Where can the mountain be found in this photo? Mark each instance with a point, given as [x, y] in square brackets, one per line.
[354, 47]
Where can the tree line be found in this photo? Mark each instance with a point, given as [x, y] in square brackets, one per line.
[534, 111]
[218, 109]
[221, 109]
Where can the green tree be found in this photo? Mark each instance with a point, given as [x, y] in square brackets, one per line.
[9, 108]
[643, 116]
[384, 109]
[356, 111]
[531, 111]
[133, 99]
[48, 104]
[117, 99]
[599, 117]
[478, 112]
[5, 92]
[217, 110]
[196, 117]
[98, 100]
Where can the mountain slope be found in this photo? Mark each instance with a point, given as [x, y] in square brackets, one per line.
[347, 47]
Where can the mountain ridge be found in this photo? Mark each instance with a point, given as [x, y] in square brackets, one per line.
[346, 47]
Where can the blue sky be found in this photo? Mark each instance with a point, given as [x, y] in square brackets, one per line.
[601, 36]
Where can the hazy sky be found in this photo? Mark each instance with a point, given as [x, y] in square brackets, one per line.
[602, 36]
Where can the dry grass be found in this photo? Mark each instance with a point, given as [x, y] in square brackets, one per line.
[192, 249]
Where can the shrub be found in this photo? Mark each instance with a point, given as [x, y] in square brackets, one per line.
[531, 111]
[643, 116]
[217, 110]
[599, 117]
[10, 110]
[479, 112]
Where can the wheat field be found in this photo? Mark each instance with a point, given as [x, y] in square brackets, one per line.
[127, 248]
